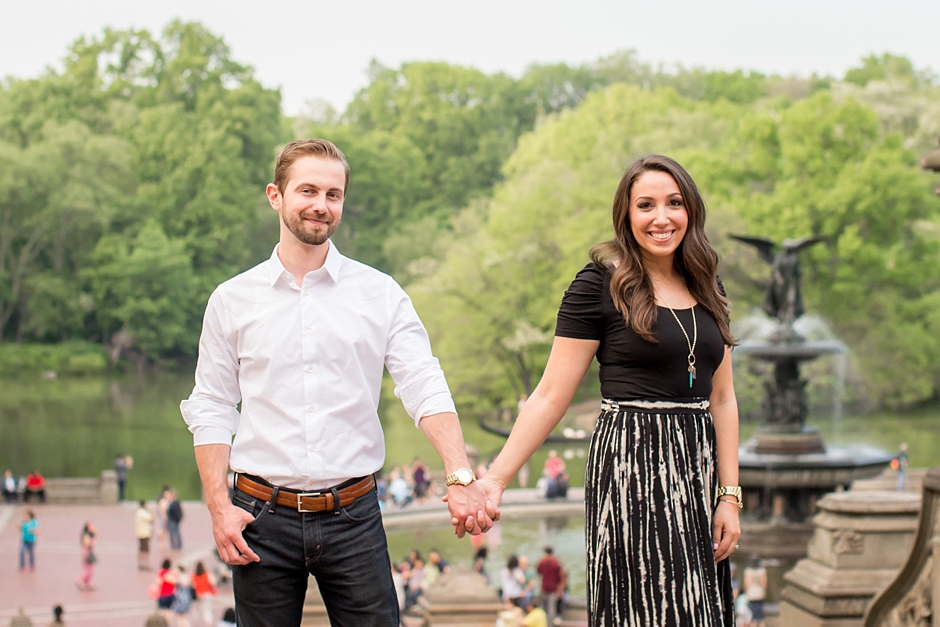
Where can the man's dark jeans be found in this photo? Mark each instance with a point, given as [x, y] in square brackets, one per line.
[345, 550]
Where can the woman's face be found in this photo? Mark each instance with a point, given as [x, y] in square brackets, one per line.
[658, 217]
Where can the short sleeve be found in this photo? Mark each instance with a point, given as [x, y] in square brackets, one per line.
[580, 315]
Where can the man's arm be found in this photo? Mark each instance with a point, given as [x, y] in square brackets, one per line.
[228, 521]
[469, 505]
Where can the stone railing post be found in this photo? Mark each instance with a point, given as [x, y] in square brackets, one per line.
[109, 487]
[860, 540]
[913, 597]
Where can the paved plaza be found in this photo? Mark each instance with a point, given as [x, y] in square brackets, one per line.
[120, 596]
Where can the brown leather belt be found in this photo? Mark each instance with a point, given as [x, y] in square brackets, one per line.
[320, 501]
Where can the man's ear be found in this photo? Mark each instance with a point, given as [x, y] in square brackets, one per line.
[274, 196]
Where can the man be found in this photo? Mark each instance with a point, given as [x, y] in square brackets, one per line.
[174, 516]
[121, 465]
[143, 528]
[550, 570]
[300, 341]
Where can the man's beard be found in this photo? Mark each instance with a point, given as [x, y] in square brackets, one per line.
[297, 225]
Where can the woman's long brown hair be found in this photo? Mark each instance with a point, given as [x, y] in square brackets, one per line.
[630, 285]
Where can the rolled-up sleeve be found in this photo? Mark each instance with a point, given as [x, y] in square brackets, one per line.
[419, 379]
[211, 410]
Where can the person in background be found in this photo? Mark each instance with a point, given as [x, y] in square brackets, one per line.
[381, 488]
[183, 597]
[35, 486]
[528, 585]
[89, 559]
[163, 502]
[166, 579]
[398, 489]
[435, 558]
[228, 618]
[535, 615]
[8, 487]
[122, 463]
[512, 579]
[204, 587]
[479, 562]
[415, 580]
[143, 528]
[28, 530]
[422, 479]
[549, 568]
[174, 516]
[902, 460]
[755, 587]
[57, 612]
[510, 616]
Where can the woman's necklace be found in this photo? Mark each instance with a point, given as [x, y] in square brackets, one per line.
[691, 344]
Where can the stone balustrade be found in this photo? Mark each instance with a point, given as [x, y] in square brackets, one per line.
[860, 540]
[101, 490]
[912, 598]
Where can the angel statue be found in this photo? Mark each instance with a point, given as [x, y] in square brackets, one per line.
[783, 300]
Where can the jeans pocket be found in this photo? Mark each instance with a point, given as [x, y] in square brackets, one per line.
[362, 509]
[253, 506]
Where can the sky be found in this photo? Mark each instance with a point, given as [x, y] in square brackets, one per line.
[321, 50]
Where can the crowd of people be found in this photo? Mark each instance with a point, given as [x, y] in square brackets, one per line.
[406, 484]
[528, 602]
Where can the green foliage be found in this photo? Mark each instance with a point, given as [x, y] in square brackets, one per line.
[73, 357]
[131, 186]
[882, 68]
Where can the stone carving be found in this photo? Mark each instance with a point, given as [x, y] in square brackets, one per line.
[908, 601]
[847, 541]
[915, 610]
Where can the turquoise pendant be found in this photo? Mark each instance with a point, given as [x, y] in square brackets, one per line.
[690, 379]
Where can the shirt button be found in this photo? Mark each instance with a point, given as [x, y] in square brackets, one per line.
[313, 448]
[310, 409]
[309, 369]
[307, 330]
[306, 293]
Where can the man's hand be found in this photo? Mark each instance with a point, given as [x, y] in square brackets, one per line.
[228, 522]
[463, 517]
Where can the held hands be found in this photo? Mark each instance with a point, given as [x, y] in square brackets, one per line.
[727, 529]
[228, 522]
[474, 507]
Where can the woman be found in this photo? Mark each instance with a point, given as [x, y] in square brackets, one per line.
[204, 586]
[28, 530]
[166, 581]
[512, 579]
[183, 597]
[89, 559]
[661, 495]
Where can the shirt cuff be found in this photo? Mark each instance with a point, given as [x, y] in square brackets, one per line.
[439, 403]
[210, 434]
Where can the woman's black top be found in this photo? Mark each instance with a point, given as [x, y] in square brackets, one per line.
[631, 367]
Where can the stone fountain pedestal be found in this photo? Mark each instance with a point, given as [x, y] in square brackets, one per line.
[460, 598]
[860, 541]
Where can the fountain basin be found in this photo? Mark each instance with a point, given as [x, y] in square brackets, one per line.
[792, 350]
[836, 466]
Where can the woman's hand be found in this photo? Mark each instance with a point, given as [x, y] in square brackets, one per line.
[727, 529]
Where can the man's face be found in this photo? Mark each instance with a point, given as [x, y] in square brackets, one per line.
[311, 205]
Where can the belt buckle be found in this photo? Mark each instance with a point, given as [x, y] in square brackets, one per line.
[300, 506]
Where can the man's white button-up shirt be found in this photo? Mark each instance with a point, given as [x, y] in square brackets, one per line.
[306, 364]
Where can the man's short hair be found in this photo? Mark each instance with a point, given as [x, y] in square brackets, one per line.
[306, 148]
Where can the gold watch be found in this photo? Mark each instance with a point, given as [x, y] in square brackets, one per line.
[732, 490]
[461, 476]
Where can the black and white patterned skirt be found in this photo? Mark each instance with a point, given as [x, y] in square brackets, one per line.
[650, 490]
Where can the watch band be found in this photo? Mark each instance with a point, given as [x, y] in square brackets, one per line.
[454, 477]
[732, 490]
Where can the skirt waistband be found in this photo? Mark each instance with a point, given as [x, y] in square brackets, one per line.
[610, 405]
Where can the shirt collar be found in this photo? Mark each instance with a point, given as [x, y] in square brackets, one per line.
[332, 264]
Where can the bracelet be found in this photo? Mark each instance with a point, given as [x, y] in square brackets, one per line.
[734, 491]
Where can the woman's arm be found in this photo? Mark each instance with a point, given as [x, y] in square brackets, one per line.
[723, 406]
[567, 365]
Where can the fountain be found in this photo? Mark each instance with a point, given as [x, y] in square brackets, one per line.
[931, 161]
[785, 467]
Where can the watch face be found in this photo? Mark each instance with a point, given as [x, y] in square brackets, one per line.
[464, 475]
